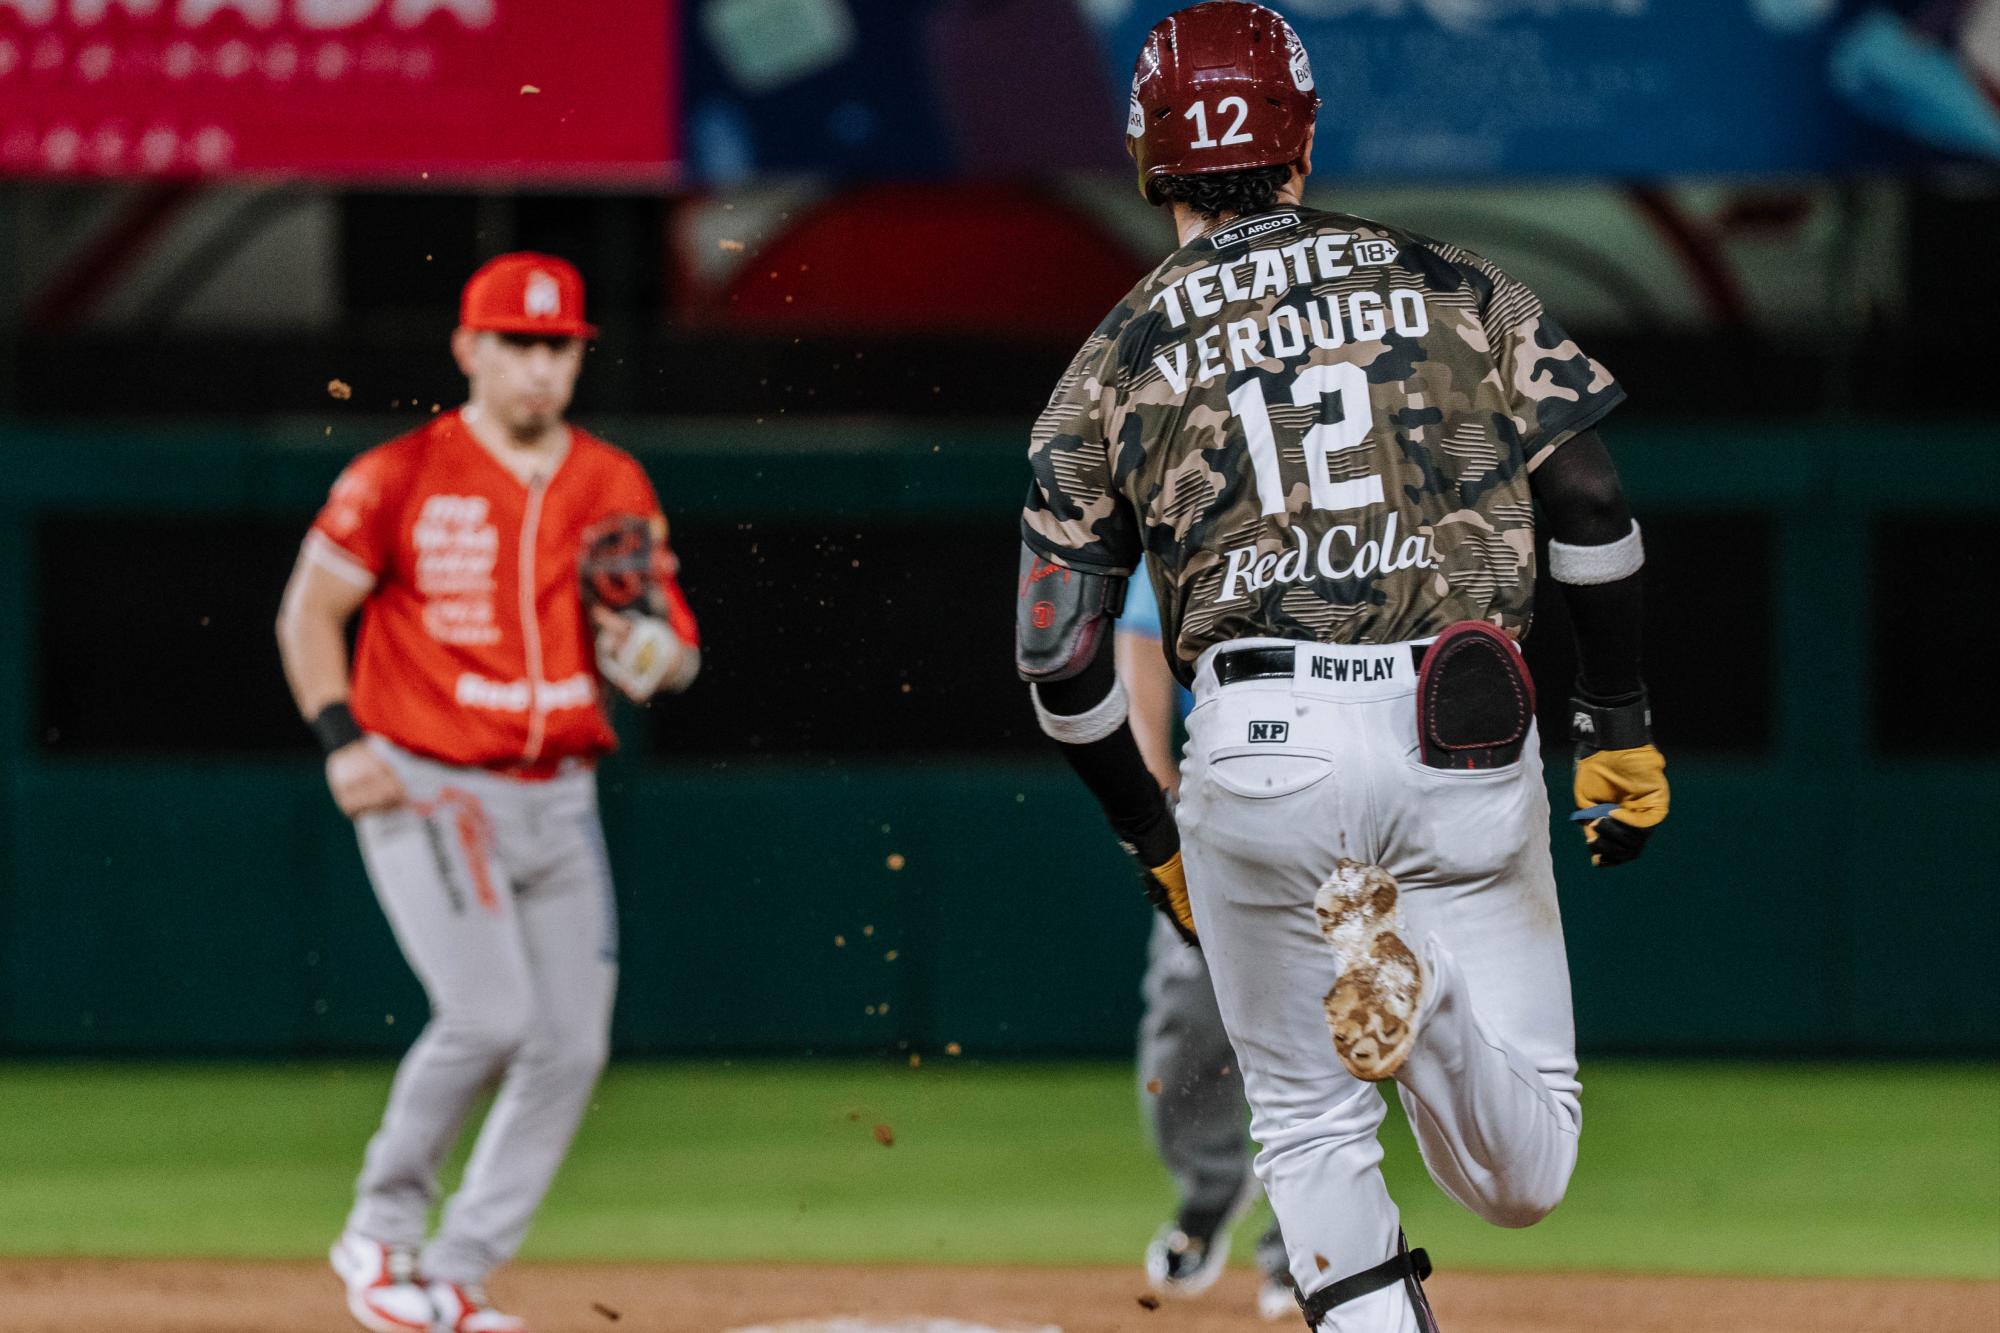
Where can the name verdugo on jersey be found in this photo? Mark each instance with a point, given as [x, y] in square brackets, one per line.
[1287, 331]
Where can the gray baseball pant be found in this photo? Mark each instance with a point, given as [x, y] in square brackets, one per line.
[499, 893]
[1198, 1119]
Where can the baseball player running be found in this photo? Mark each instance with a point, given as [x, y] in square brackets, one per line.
[1328, 438]
[503, 561]
[1189, 1087]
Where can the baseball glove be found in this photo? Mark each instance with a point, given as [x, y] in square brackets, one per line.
[619, 566]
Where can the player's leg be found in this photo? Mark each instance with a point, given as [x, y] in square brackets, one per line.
[1254, 861]
[1192, 1096]
[569, 928]
[432, 867]
[1490, 1085]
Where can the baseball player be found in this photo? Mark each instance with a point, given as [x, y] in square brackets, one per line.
[1189, 1087]
[1329, 439]
[505, 564]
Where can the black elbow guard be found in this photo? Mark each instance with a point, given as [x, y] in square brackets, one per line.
[1060, 616]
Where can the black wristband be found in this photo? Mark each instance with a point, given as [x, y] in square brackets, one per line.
[335, 727]
[1154, 838]
[1623, 724]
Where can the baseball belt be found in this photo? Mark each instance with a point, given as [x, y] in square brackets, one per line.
[1241, 664]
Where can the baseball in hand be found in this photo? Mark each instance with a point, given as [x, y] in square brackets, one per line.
[612, 629]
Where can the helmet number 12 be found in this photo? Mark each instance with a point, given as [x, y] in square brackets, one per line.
[1340, 391]
[1198, 113]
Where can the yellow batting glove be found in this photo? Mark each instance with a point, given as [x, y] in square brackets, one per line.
[1621, 776]
[1621, 797]
[1166, 888]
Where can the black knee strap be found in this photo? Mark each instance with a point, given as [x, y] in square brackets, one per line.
[1410, 1266]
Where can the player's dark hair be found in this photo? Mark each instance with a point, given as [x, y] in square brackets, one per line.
[1251, 190]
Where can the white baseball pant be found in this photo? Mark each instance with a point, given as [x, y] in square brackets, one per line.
[1282, 778]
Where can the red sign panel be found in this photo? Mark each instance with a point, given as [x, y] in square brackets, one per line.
[346, 89]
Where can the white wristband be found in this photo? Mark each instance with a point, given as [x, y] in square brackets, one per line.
[1104, 717]
[1582, 566]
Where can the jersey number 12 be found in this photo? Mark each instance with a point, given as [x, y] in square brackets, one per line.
[1324, 386]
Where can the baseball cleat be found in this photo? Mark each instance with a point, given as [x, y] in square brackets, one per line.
[1372, 1008]
[1188, 1255]
[384, 1293]
[463, 1308]
[1275, 1299]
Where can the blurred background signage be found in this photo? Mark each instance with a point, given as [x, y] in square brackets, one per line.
[342, 89]
[1414, 89]
[713, 93]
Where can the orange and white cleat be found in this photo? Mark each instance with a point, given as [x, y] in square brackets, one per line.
[1372, 1008]
[384, 1292]
[463, 1308]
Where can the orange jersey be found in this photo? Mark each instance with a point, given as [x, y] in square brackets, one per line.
[475, 646]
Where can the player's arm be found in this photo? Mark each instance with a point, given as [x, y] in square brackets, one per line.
[1063, 650]
[1596, 555]
[1149, 688]
[322, 595]
[1149, 684]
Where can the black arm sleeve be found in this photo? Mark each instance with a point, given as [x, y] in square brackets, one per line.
[1583, 504]
[1113, 768]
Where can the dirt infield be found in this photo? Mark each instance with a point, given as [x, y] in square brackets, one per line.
[80, 1296]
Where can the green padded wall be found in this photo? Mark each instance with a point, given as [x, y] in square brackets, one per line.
[1813, 898]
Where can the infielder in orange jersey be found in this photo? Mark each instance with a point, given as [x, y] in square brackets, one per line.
[505, 563]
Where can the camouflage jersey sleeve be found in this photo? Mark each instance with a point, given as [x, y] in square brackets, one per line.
[1075, 514]
[1550, 388]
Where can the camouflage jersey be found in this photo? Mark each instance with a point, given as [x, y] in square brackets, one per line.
[1319, 428]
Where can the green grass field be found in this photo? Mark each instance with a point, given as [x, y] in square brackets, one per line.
[1793, 1169]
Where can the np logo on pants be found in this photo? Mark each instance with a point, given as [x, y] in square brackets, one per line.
[1271, 733]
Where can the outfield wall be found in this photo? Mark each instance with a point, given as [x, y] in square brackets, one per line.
[1823, 886]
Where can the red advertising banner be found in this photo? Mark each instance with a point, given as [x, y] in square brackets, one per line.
[527, 90]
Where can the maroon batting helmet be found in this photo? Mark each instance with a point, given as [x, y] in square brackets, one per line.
[1220, 86]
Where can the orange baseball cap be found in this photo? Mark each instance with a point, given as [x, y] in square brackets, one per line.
[526, 292]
